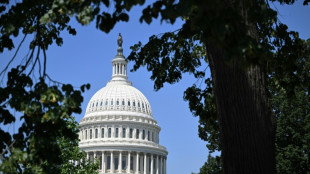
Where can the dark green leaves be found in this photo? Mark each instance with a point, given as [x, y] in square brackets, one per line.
[47, 113]
[168, 56]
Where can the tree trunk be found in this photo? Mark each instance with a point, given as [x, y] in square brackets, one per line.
[246, 123]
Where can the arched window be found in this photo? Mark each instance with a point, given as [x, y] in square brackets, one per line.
[106, 102]
[130, 133]
[139, 104]
[134, 103]
[111, 101]
[96, 133]
[109, 133]
[101, 103]
[148, 135]
[117, 102]
[143, 105]
[90, 134]
[102, 132]
[143, 134]
[85, 134]
[123, 102]
[116, 132]
[137, 134]
[128, 102]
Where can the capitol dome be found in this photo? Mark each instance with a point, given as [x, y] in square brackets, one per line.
[118, 128]
[118, 96]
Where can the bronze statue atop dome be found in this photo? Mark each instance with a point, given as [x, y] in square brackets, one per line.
[120, 40]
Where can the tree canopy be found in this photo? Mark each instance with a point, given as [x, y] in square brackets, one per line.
[242, 42]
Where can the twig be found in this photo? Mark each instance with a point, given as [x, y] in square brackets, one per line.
[34, 64]
[7, 66]
[5, 150]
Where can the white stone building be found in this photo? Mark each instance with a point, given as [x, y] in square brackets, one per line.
[118, 128]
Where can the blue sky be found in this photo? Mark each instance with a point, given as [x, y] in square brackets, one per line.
[86, 58]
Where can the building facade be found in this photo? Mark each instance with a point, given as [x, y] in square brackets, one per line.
[118, 128]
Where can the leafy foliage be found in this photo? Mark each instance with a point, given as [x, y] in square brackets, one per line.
[212, 166]
[47, 125]
[73, 159]
[293, 118]
[246, 31]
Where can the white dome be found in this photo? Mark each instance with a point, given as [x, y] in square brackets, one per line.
[118, 128]
[118, 97]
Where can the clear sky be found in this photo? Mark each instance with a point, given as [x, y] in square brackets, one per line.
[86, 58]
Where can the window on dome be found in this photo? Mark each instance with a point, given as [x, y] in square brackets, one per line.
[85, 134]
[137, 134]
[143, 134]
[134, 103]
[123, 102]
[112, 102]
[109, 162]
[117, 102]
[115, 162]
[93, 104]
[130, 133]
[101, 103]
[96, 133]
[128, 102]
[148, 135]
[124, 132]
[116, 132]
[124, 162]
[139, 104]
[142, 105]
[131, 163]
[96, 104]
[102, 132]
[106, 102]
[109, 133]
[153, 136]
[90, 134]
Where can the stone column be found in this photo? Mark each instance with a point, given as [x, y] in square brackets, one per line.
[121, 131]
[152, 161]
[161, 165]
[127, 132]
[103, 162]
[164, 165]
[137, 163]
[128, 163]
[113, 127]
[113, 69]
[112, 162]
[144, 168]
[120, 162]
[106, 131]
[157, 166]
[141, 163]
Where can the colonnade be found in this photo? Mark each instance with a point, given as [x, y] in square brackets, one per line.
[119, 69]
[129, 162]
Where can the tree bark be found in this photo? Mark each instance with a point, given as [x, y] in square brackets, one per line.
[246, 122]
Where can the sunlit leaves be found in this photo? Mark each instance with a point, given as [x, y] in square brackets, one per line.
[47, 113]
